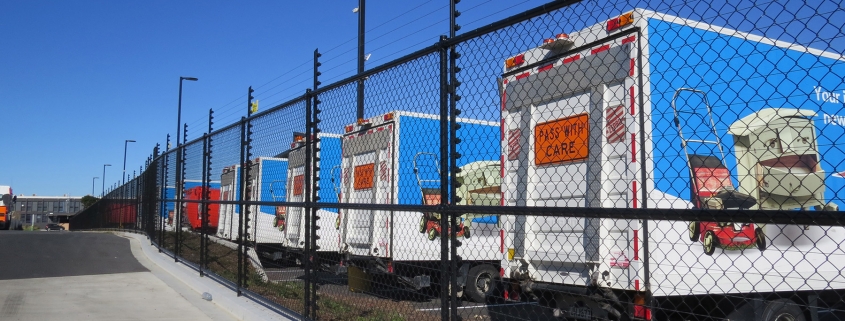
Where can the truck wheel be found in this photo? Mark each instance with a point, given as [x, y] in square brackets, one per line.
[432, 234]
[782, 310]
[710, 243]
[481, 283]
[760, 239]
[423, 222]
[694, 231]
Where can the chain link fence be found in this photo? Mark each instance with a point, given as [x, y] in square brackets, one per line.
[583, 160]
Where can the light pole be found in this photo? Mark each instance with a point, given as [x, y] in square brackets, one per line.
[123, 182]
[361, 58]
[103, 194]
[92, 186]
[125, 143]
[179, 111]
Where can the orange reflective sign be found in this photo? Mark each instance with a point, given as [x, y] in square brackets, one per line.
[364, 176]
[562, 140]
[298, 184]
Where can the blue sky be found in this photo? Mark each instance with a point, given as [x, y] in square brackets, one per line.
[77, 78]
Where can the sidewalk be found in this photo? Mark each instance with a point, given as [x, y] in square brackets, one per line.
[187, 282]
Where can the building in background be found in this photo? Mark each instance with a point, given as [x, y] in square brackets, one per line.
[38, 211]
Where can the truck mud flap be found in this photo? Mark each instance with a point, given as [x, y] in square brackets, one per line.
[417, 283]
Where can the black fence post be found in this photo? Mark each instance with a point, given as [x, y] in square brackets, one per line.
[163, 195]
[204, 204]
[180, 193]
[249, 191]
[206, 193]
[314, 135]
[444, 184]
[241, 189]
[453, 157]
[308, 205]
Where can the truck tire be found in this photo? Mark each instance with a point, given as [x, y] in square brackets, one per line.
[782, 310]
[481, 283]
[760, 239]
[423, 223]
[710, 243]
[694, 231]
[432, 234]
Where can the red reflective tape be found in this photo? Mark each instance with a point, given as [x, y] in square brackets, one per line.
[544, 68]
[502, 272]
[571, 59]
[502, 241]
[631, 73]
[629, 39]
[504, 98]
[631, 95]
[636, 245]
[634, 191]
[633, 148]
[637, 285]
[599, 49]
[522, 75]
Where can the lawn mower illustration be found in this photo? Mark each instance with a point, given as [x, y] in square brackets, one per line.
[711, 186]
[430, 192]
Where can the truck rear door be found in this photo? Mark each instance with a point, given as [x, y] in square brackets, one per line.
[294, 223]
[570, 134]
[367, 167]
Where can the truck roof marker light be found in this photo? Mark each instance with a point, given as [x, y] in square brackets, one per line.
[560, 42]
[620, 21]
[349, 128]
[362, 121]
[515, 61]
[388, 117]
[298, 137]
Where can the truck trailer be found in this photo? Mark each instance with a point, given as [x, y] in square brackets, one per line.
[267, 185]
[646, 110]
[191, 210]
[6, 207]
[394, 159]
[293, 224]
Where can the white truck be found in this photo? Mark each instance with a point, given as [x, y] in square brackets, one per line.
[394, 159]
[267, 185]
[294, 223]
[638, 112]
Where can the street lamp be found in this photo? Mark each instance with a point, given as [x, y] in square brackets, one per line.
[103, 194]
[92, 186]
[179, 111]
[124, 158]
[361, 58]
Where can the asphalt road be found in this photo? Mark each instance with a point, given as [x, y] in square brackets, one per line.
[42, 254]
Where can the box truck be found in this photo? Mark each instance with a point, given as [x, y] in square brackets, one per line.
[646, 110]
[394, 159]
[293, 224]
[267, 184]
[6, 207]
[191, 211]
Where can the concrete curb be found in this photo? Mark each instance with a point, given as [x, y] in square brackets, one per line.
[240, 307]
